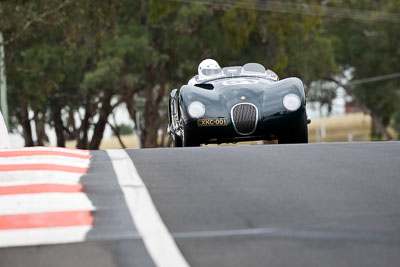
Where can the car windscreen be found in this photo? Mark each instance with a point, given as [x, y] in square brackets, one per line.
[225, 77]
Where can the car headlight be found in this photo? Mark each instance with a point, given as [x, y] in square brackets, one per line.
[291, 102]
[196, 109]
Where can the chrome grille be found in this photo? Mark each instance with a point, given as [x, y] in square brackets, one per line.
[244, 118]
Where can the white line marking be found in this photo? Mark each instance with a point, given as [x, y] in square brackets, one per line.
[158, 241]
[44, 202]
[291, 233]
[41, 236]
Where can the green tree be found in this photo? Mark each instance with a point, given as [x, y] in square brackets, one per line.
[369, 48]
[51, 46]
[71, 63]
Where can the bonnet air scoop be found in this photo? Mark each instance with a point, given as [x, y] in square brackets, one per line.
[207, 86]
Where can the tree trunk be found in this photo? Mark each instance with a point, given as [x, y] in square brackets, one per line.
[59, 127]
[117, 134]
[26, 126]
[164, 135]
[130, 104]
[70, 128]
[40, 129]
[152, 121]
[105, 111]
[144, 137]
[150, 133]
[84, 128]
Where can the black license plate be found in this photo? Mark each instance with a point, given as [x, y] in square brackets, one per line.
[212, 122]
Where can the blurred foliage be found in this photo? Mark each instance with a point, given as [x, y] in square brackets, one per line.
[73, 62]
[369, 48]
[125, 129]
[396, 123]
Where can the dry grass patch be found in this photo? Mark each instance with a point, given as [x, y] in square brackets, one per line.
[130, 141]
[351, 127]
[337, 129]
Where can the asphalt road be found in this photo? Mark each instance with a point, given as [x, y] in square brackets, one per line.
[272, 205]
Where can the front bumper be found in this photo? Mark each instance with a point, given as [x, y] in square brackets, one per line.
[268, 128]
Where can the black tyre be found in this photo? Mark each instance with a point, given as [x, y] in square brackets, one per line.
[177, 141]
[188, 138]
[297, 135]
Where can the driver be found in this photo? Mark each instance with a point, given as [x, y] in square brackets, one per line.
[208, 69]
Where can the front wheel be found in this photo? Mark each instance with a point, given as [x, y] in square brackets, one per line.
[188, 138]
[177, 141]
[298, 134]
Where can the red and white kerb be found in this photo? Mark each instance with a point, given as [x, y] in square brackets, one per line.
[41, 198]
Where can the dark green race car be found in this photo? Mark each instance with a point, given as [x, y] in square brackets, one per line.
[246, 103]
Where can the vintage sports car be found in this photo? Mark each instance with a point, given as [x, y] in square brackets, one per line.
[242, 104]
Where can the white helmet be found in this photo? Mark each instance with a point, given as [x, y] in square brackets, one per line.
[209, 68]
